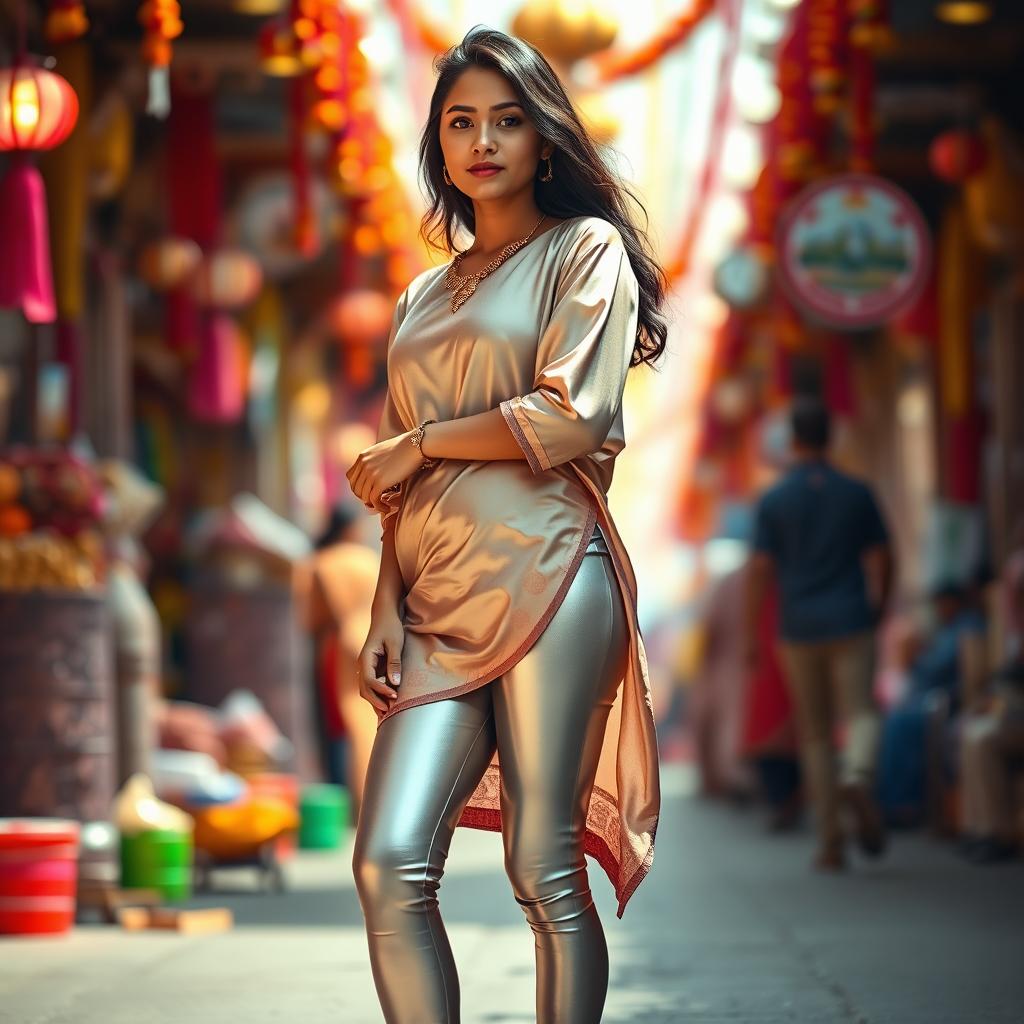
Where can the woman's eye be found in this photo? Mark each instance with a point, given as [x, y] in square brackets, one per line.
[511, 120]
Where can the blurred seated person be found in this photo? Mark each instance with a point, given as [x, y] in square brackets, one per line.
[933, 681]
[992, 743]
[344, 578]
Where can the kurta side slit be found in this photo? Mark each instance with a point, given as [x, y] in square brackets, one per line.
[488, 550]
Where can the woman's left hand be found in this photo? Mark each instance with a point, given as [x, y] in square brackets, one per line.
[381, 466]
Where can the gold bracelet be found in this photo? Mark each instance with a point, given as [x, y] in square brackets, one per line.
[416, 437]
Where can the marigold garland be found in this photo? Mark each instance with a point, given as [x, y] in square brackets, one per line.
[162, 22]
[66, 20]
[612, 64]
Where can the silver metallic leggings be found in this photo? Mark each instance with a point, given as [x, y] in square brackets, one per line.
[547, 717]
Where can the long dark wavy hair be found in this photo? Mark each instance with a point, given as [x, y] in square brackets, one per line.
[583, 185]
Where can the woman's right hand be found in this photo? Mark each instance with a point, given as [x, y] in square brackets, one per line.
[380, 660]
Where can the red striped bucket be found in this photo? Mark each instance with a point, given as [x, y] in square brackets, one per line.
[38, 875]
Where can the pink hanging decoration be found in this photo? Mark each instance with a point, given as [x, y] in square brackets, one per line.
[26, 278]
[216, 392]
[38, 109]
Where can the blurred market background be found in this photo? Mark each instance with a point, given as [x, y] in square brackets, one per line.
[207, 211]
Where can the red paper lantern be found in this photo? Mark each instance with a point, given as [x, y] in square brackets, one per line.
[955, 156]
[362, 317]
[229, 279]
[38, 109]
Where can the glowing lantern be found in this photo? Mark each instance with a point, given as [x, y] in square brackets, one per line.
[956, 156]
[38, 110]
[168, 263]
[229, 279]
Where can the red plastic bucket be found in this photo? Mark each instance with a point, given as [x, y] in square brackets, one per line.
[38, 875]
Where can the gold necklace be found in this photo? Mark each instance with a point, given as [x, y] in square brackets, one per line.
[462, 287]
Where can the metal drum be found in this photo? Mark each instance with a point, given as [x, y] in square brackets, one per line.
[57, 745]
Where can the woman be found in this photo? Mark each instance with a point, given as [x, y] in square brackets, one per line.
[504, 620]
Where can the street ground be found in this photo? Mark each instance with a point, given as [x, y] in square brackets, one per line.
[731, 927]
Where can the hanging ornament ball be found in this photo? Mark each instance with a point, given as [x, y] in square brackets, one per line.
[38, 109]
[228, 279]
[955, 156]
[361, 317]
[169, 262]
[566, 30]
[731, 400]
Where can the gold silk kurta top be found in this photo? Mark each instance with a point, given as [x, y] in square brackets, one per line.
[488, 549]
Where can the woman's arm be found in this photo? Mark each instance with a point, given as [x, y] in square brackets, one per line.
[485, 436]
[390, 592]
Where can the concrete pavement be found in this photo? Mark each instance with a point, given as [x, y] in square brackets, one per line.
[730, 928]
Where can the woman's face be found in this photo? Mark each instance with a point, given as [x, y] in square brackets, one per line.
[482, 123]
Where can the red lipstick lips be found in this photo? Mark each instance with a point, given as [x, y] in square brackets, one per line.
[484, 170]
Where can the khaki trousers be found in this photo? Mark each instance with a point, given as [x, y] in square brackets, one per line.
[826, 677]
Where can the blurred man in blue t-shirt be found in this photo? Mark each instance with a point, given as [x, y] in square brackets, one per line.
[820, 533]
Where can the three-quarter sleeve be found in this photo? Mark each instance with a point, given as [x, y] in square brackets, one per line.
[583, 356]
[391, 424]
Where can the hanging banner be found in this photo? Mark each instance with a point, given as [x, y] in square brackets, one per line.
[853, 251]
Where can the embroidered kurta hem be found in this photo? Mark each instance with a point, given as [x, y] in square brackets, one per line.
[488, 549]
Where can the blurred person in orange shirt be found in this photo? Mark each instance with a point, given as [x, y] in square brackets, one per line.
[343, 580]
[820, 535]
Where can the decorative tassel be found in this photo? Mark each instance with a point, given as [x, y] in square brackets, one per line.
[159, 102]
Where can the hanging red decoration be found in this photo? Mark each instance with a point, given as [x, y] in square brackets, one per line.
[65, 20]
[955, 156]
[38, 110]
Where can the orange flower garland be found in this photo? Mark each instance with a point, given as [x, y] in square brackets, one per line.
[162, 22]
[66, 20]
[613, 64]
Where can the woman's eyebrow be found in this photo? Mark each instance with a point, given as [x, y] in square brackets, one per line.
[472, 110]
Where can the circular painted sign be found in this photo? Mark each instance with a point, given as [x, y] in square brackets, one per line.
[853, 251]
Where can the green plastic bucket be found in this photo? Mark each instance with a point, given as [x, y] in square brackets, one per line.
[323, 811]
[158, 859]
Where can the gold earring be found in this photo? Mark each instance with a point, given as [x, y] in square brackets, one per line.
[444, 171]
[548, 176]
